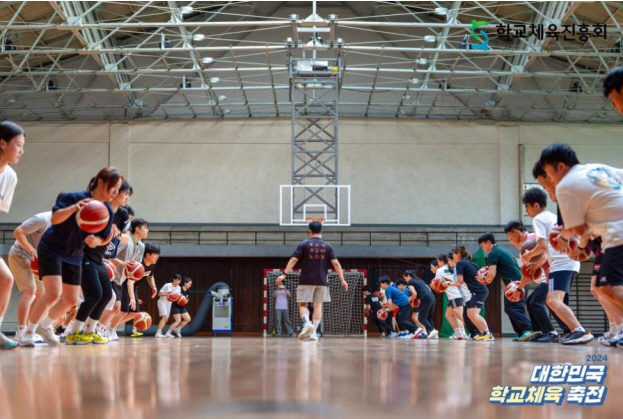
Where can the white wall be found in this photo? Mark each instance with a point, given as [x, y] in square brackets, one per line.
[401, 172]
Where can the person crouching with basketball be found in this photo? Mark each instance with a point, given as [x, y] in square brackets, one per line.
[180, 314]
[61, 251]
[169, 293]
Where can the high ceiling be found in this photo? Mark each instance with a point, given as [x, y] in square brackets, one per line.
[410, 60]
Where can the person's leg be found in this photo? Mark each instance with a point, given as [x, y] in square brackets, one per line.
[404, 322]
[92, 292]
[426, 305]
[458, 315]
[279, 314]
[177, 319]
[6, 286]
[185, 320]
[469, 325]
[477, 319]
[451, 318]
[539, 308]
[27, 286]
[518, 315]
[559, 284]
[107, 295]
[286, 316]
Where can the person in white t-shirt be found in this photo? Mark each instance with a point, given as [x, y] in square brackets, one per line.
[563, 270]
[454, 311]
[590, 198]
[12, 141]
[164, 305]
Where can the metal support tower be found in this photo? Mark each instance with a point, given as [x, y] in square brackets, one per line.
[314, 95]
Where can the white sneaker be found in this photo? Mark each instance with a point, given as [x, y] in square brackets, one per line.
[392, 335]
[28, 340]
[159, 335]
[178, 332]
[308, 329]
[434, 334]
[313, 337]
[18, 334]
[169, 335]
[113, 335]
[39, 338]
[453, 337]
[48, 336]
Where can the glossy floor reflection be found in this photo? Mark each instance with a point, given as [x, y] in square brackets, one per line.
[256, 377]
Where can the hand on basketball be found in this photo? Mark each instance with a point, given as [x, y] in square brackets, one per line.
[515, 295]
[92, 241]
[345, 285]
[80, 204]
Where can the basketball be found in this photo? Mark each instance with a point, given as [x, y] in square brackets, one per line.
[134, 270]
[110, 269]
[381, 314]
[144, 322]
[182, 301]
[512, 287]
[581, 254]
[481, 275]
[173, 297]
[414, 302]
[538, 272]
[553, 235]
[93, 217]
[34, 266]
[438, 285]
[375, 293]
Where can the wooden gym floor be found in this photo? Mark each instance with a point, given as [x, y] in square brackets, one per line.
[281, 377]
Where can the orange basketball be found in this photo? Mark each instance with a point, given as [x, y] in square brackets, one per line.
[173, 297]
[110, 269]
[381, 314]
[144, 322]
[414, 302]
[553, 235]
[438, 285]
[34, 267]
[481, 275]
[580, 254]
[512, 286]
[134, 270]
[93, 217]
[182, 301]
[538, 272]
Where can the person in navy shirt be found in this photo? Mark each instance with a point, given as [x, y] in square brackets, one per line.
[61, 251]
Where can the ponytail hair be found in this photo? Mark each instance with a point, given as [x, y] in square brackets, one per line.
[108, 175]
[463, 252]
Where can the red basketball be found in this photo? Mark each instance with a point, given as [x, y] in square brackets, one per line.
[182, 301]
[438, 285]
[512, 287]
[110, 269]
[414, 302]
[173, 297]
[538, 272]
[134, 270]
[482, 274]
[144, 322]
[93, 217]
[381, 314]
[580, 254]
[34, 267]
[553, 235]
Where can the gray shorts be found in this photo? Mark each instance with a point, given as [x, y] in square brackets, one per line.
[312, 293]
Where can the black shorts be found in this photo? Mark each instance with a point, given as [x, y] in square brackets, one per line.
[455, 302]
[611, 271]
[125, 299]
[477, 300]
[597, 266]
[50, 264]
[178, 310]
[561, 281]
[116, 289]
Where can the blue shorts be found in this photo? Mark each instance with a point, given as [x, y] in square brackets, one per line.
[455, 302]
[561, 281]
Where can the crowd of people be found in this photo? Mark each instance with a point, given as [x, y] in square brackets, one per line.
[59, 268]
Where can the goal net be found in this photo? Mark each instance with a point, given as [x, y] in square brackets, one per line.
[343, 316]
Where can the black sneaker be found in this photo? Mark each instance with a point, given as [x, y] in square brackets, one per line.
[535, 337]
[549, 338]
[577, 338]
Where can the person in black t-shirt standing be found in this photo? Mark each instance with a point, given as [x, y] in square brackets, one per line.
[316, 256]
[425, 311]
[372, 305]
